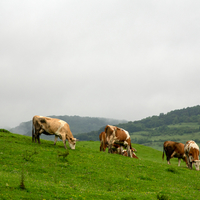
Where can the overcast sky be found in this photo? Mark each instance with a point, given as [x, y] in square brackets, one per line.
[100, 58]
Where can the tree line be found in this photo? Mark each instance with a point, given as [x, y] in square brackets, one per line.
[156, 125]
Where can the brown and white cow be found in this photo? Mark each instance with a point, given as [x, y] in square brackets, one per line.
[102, 138]
[115, 134]
[192, 152]
[52, 126]
[124, 153]
[174, 149]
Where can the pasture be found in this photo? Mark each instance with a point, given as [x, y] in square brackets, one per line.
[154, 137]
[45, 171]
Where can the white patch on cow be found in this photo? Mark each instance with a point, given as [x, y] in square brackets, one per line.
[127, 133]
[189, 145]
[62, 123]
[193, 145]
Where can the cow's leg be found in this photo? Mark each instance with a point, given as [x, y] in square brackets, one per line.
[35, 138]
[64, 142]
[173, 154]
[38, 138]
[168, 161]
[37, 135]
[128, 151]
[131, 153]
[179, 162]
[104, 148]
[101, 146]
[110, 148]
[189, 163]
[33, 134]
[55, 139]
[121, 150]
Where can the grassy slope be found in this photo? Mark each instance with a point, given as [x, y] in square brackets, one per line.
[173, 136]
[89, 174]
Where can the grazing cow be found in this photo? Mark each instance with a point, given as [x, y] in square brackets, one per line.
[174, 149]
[102, 138]
[192, 152]
[52, 126]
[118, 135]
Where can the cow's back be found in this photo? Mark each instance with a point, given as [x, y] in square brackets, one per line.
[121, 134]
[109, 130]
[179, 148]
[52, 125]
[191, 148]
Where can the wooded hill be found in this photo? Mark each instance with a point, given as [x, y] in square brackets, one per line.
[178, 125]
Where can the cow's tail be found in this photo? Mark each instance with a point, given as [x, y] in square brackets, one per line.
[163, 155]
[33, 131]
[106, 129]
[100, 136]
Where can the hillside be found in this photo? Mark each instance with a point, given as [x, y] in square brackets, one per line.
[178, 125]
[77, 124]
[32, 171]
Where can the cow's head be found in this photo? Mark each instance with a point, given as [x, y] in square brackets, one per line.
[72, 142]
[196, 164]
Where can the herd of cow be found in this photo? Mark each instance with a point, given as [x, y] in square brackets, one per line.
[115, 139]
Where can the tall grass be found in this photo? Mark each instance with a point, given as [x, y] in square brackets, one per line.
[86, 173]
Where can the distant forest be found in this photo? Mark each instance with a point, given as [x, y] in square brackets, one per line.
[156, 125]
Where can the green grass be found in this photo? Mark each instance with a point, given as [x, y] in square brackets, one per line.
[87, 173]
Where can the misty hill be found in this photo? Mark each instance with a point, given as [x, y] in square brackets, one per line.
[178, 125]
[77, 124]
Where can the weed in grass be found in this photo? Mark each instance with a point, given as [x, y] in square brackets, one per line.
[145, 178]
[161, 196]
[172, 170]
[55, 172]
[63, 155]
[22, 185]
[28, 155]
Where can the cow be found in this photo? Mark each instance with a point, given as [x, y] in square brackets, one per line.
[52, 126]
[124, 153]
[174, 149]
[192, 153]
[102, 138]
[118, 135]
